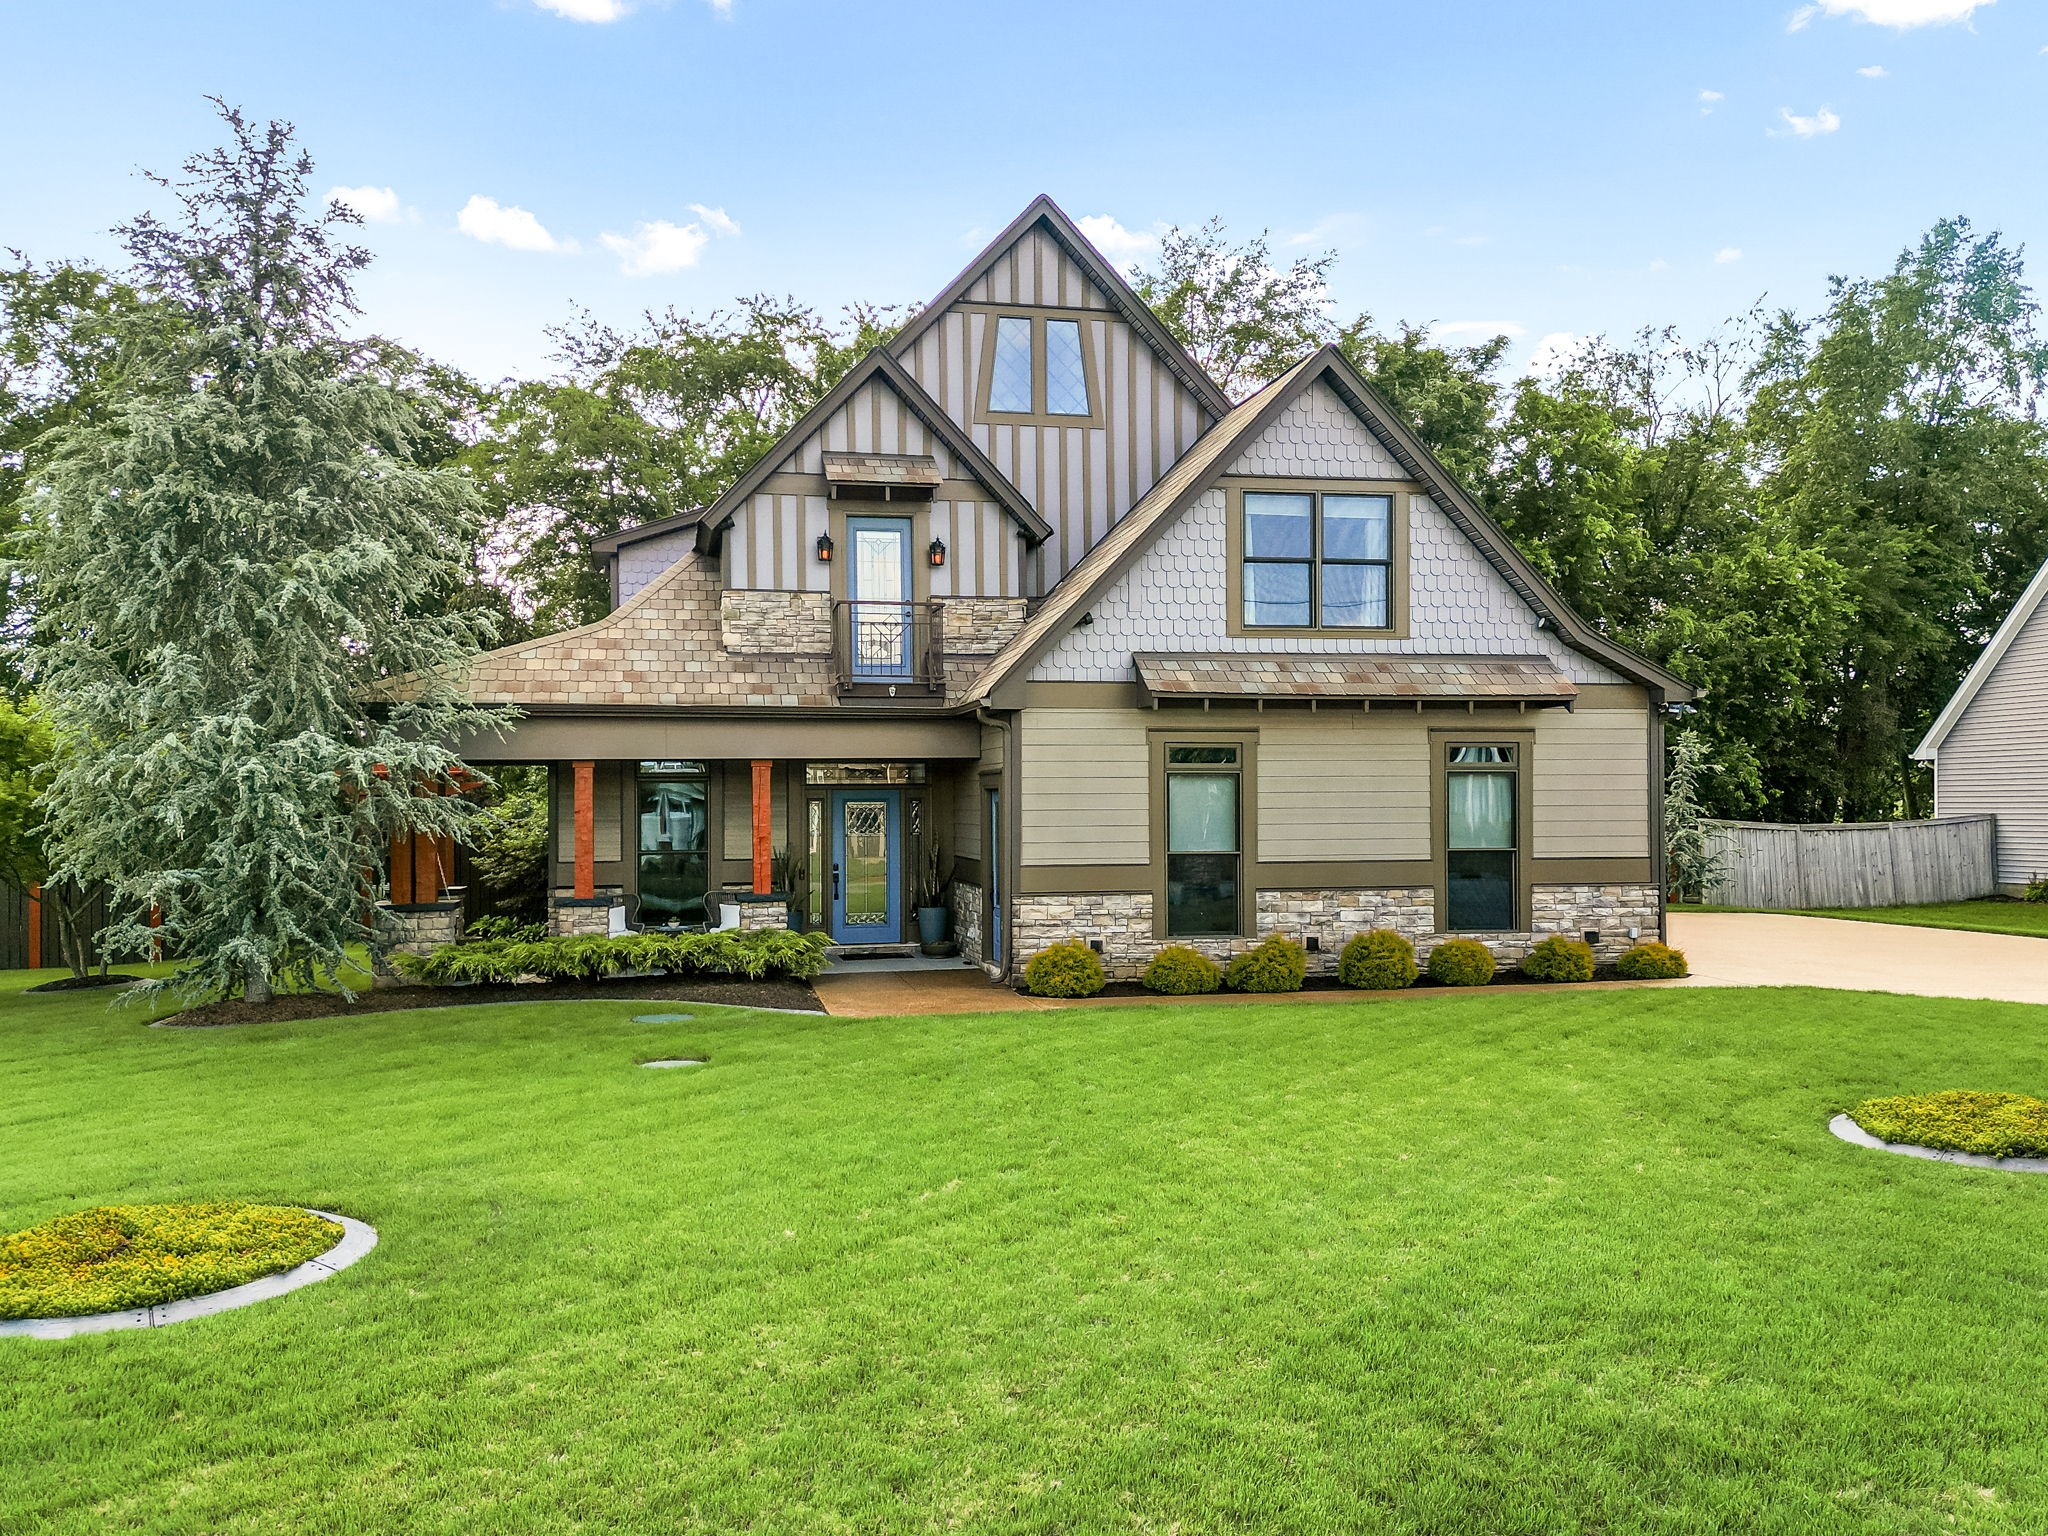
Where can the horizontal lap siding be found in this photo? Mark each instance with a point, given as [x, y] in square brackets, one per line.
[1992, 762]
[1085, 787]
[1337, 788]
[1592, 784]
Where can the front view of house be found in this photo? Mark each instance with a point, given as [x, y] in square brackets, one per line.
[1027, 619]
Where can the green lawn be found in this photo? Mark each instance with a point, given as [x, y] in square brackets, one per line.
[1506, 1263]
[2023, 917]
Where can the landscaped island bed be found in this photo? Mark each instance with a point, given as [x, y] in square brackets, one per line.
[1496, 1261]
[1960, 1120]
[110, 1258]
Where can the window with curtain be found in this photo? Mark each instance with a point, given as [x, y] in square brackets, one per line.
[1009, 386]
[1480, 839]
[1203, 851]
[1317, 560]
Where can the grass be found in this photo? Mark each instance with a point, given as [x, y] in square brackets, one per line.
[2029, 918]
[1459, 1263]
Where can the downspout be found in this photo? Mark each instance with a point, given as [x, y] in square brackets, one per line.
[1659, 854]
[1006, 880]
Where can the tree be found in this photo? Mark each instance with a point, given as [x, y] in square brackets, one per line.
[232, 559]
[1691, 866]
[1243, 319]
[1449, 396]
[27, 761]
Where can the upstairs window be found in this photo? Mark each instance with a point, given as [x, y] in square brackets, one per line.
[1317, 560]
[1038, 367]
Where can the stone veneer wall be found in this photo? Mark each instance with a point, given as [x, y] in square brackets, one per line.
[418, 929]
[570, 917]
[1122, 922]
[978, 626]
[775, 623]
[762, 914]
[965, 900]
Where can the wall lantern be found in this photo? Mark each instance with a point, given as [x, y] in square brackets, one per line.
[936, 553]
[824, 549]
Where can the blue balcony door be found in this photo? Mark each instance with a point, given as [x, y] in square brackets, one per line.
[867, 873]
[878, 593]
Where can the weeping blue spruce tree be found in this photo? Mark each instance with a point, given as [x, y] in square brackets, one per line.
[232, 563]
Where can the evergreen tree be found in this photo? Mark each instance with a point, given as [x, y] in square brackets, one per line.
[230, 558]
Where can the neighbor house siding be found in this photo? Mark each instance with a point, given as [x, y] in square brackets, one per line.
[1592, 784]
[1081, 479]
[1336, 786]
[1085, 777]
[1994, 760]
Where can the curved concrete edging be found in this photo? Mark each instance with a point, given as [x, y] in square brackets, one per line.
[357, 1239]
[1848, 1130]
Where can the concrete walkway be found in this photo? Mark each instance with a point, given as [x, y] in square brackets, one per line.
[1766, 949]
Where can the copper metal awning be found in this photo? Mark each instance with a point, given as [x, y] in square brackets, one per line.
[1298, 677]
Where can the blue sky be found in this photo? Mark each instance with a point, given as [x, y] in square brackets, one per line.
[1567, 168]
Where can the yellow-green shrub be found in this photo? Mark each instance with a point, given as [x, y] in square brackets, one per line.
[1461, 963]
[1066, 969]
[1277, 964]
[1379, 961]
[1958, 1120]
[114, 1257]
[1651, 961]
[1558, 958]
[1181, 972]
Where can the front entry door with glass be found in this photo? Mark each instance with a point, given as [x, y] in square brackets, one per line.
[867, 834]
[878, 592]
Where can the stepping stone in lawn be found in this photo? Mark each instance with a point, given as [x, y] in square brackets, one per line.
[676, 1061]
[663, 1018]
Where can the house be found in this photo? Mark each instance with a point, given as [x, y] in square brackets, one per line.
[1988, 742]
[1028, 597]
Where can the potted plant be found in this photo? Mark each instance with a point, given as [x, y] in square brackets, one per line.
[931, 897]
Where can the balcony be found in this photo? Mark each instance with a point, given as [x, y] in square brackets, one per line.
[887, 649]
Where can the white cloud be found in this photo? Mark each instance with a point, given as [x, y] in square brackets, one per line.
[662, 246]
[1553, 354]
[377, 205]
[1487, 328]
[483, 219]
[1903, 13]
[1873, 71]
[1727, 254]
[1660, 265]
[1800, 17]
[586, 10]
[1713, 95]
[1112, 239]
[1822, 121]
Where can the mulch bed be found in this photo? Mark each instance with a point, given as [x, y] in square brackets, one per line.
[1506, 976]
[667, 989]
[82, 983]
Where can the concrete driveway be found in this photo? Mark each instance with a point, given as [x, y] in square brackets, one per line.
[1764, 949]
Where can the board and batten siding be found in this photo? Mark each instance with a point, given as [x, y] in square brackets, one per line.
[1085, 792]
[1994, 760]
[737, 840]
[1591, 790]
[1081, 479]
[1343, 787]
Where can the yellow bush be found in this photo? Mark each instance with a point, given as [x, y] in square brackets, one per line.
[1958, 1120]
[1651, 961]
[1277, 964]
[1461, 963]
[1558, 958]
[1066, 969]
[1180, 971]
[1379, 961]
[114, 1257]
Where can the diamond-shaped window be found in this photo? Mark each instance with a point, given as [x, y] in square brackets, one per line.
[1066, 377]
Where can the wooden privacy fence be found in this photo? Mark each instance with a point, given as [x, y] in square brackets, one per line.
[1852, 864]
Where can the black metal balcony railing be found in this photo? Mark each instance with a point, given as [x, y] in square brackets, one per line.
[885, 646]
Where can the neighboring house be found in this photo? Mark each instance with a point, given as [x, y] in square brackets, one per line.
[1989, 742]
[1027, 591]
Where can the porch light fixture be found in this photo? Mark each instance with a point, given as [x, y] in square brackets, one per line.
[824, 549]
[936, 552]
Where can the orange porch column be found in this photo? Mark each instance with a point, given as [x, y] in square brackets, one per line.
[585, 776]
[764, 828]
[35, 927]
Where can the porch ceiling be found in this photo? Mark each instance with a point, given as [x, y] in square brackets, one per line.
[1302, 675]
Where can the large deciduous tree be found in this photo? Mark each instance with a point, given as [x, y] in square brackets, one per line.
[232, 555]
[1243, 319]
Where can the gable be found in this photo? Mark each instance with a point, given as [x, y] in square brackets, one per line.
[1998, 670]
[1148, 402]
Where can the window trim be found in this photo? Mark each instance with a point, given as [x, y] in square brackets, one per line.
[1037, 416]
[1400, 492]
[1441, 740]
[1158, 739]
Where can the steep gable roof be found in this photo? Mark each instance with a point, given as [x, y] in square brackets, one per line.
[878, 364]
[1220, 448]
[1046, 214]
[1986, 664]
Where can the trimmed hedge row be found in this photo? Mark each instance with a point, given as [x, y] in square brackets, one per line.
[763, 952]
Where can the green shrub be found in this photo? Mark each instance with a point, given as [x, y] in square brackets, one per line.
[1379, 961]
[1181, 972]
[1995, 1124]
[1461, 963]
[1277, 964]
[762, 952]
[2036, 889]
[1558, 958]
[1651, 961]
[1066, 969]
[509, 928]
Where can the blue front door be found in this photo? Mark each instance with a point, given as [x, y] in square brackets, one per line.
[867, 904]
[878, 593]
